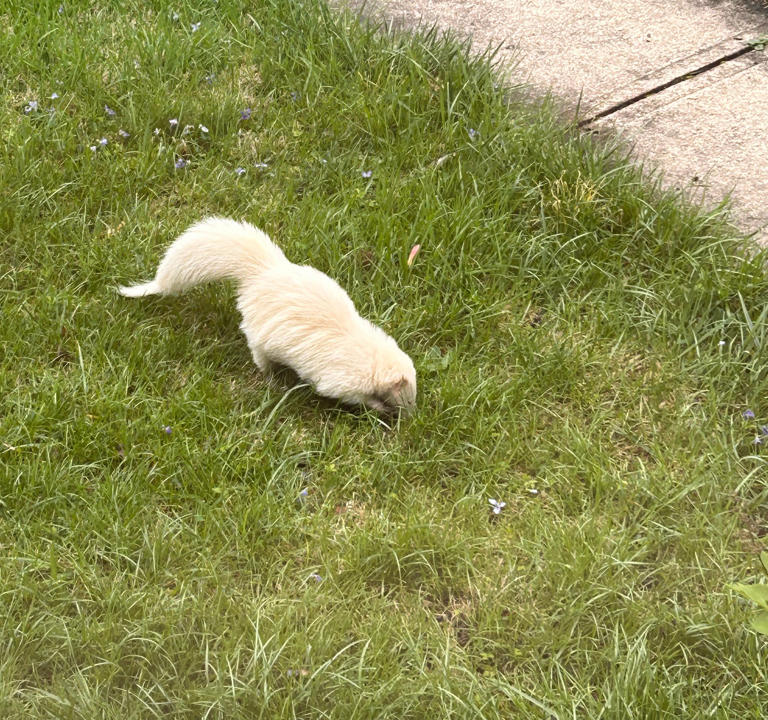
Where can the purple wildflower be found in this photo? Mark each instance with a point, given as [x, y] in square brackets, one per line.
[61, 10]
[103, 142]
[31, 107]
[260, 165]
[109, 111]
[367, 173]
[175, 16]
[748, 415]
[764, 429]
[195, 26]
[295, 96]
[167, 429]
[245, 114]
[54, 96]
[123, 133]
[472, 133]
[317, 578]
[203, 129]
[173, 122]
[180, 163]
[497, 505]
[239, 171]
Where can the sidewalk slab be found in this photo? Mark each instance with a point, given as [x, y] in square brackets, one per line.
[706, 134]
[594, 47]
[710, 136]
[718, 59]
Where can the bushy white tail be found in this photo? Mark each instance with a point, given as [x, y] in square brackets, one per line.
[212, 249]
[149, 288]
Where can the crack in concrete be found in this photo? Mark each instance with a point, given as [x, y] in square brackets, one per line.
[660, 88]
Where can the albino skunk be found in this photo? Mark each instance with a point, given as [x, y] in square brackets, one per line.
[293, 315]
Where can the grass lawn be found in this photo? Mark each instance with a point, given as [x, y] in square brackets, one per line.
[587, 350]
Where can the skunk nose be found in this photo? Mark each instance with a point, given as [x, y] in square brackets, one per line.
[407, 397]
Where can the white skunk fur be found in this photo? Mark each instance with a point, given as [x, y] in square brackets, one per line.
[293, 315]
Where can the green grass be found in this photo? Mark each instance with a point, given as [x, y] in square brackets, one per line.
[565, 317]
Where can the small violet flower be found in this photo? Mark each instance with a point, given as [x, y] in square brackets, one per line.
[721, 343]
[167, 429]
[758, 440]
[245, 114]
[203, 129]
[239, 171]
[195, 26]
[103, 142]
[367, 173]
[123, 134]
[472, 133]
[173, 122]
[180, 163]
[109, 111]
[748, 415]
[533, 491]
[497, 505]
[54, 96]
[295, 96]
[317, 578]
[260, 165]
[156, 131]
[175, 16]
[61, 10]
[31, 107]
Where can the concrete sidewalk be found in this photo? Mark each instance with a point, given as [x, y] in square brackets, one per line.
[678, 79]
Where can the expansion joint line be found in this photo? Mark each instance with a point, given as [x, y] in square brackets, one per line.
[660, 88]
